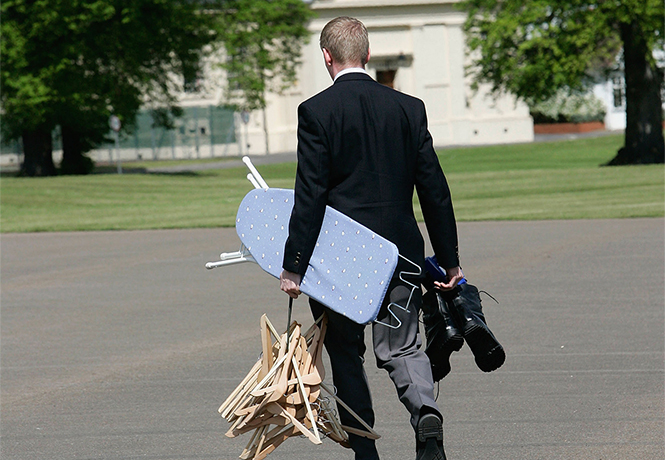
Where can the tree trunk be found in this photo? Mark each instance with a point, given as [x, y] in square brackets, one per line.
[73, 159]
[37, 153]
[644, 117]
[265, 130]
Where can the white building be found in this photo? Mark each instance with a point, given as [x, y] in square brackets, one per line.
[416, 46]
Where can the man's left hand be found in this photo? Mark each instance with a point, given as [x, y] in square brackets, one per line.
[289, 282]
[455, 275]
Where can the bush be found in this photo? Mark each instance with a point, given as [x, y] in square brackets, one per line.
[567, 107]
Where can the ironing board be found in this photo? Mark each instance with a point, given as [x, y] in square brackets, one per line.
[350, 268]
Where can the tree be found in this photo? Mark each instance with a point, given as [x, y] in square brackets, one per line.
[532, 49]
[263, 42]
[73, 63]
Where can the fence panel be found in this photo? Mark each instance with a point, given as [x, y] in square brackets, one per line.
[203, 131]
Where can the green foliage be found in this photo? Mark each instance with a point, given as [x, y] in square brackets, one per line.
[534, 48]
[262, 41]
[164, 117]
[567, 107]
[75, 62]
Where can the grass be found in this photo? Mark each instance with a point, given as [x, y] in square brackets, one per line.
[144, 165]
[557, 180]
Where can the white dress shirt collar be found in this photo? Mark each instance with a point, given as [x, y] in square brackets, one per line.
[350, 70]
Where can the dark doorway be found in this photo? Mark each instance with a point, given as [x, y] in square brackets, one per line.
[386, 77]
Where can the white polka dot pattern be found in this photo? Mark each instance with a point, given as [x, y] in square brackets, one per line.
[350, 267]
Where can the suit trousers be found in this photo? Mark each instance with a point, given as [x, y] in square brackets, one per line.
[396, 350]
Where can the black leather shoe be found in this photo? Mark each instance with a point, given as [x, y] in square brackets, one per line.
[429, 438]
[467, 311]
[443, 336]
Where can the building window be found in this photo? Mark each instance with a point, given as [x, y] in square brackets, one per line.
[618, 91]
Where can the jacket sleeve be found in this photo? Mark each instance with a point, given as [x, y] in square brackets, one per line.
[311, 192]
[435, 200]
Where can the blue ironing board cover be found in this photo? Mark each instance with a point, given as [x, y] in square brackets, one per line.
[350, 268]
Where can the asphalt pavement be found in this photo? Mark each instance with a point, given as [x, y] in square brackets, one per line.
[121, 345]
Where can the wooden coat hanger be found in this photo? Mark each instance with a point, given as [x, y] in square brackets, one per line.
[284, 395]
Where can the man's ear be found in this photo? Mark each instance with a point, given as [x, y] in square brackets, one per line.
[327, 57]
[368, 55]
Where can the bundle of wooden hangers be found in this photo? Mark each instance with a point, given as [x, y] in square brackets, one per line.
[284, 395]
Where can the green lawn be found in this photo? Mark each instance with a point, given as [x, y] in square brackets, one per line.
[558, 180]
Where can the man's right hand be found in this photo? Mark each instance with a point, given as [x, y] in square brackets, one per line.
[289, 282]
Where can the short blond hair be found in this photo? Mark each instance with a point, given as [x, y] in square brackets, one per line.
[346, 40]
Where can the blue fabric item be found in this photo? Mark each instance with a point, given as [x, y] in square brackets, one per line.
[439, 274]
[350, 268]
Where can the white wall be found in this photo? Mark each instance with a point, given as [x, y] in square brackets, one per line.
[615, 117]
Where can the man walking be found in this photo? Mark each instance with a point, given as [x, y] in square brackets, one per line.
[362, 149]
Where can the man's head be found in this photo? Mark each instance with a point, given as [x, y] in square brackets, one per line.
[346, 43]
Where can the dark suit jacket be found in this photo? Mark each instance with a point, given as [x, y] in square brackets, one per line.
[362, 148]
